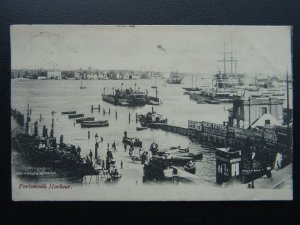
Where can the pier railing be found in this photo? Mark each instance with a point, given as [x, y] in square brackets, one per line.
[221, 135]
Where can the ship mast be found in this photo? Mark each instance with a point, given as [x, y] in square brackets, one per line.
[287, 108]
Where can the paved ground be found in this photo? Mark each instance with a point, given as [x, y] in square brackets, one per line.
[280, 178]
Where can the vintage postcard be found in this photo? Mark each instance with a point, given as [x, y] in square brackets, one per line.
[151, 113]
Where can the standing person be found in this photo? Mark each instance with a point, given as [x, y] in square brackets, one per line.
[91, 155]
[114, 146]
[121, 164]
[78, 150]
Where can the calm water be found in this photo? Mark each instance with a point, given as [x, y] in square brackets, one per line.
[63, 95]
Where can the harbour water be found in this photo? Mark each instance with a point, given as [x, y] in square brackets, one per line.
[45, 96]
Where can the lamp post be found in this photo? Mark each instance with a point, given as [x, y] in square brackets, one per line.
[249, 99]
[96, 146]
[252, 158]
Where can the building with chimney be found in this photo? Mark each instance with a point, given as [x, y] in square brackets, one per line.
[246, 111]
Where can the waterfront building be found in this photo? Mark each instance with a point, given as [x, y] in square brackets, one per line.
[54, 75]
[77, 75]
[246, 111]
[228, 164]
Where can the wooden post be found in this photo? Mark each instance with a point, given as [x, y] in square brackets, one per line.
[92, 108]
[99, 108]
[136, 118]
[89, 133]
[129, 117]
[103, 111]
[116, 115]
[109, 111]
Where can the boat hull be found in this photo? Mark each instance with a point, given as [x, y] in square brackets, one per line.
[89, 124]
[73, 116]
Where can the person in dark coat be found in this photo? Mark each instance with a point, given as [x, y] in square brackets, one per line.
[91, 155]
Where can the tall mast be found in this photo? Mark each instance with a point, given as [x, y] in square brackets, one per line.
[224, 59]
[288, 108]
[231, 59]
[192, 81]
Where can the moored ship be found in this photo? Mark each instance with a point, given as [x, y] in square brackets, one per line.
[175, 78]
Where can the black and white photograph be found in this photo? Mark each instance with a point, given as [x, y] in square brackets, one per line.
[151, 113]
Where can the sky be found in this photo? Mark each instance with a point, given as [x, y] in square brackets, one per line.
[191, 49]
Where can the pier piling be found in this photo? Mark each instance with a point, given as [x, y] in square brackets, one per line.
[116, 115]
[109, 111]
[136, 117]
[92, 108]
[129, 117]
[89, 134]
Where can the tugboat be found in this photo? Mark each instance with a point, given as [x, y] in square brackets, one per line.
[152, 117]
[190, 167]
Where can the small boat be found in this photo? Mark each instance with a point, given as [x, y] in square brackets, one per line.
[178, 160]
[184, 150]
[80, 120]
[201, 102]
[212, 101]
[100, 123]
[68, 112]
[198, 156]
[191, 89]
[141, 128]
[114, 178]
[73, 116]
[190, 167]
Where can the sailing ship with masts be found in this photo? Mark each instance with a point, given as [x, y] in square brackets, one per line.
[175, 78]
[224, 84]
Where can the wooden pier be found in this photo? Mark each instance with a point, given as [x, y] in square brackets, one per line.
[94, 107]
[223, 136]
